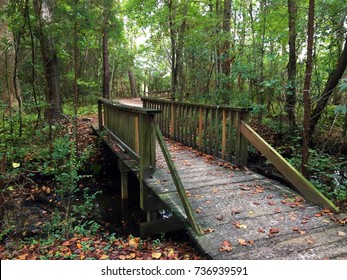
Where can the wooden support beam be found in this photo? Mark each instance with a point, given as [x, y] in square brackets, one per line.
[160, 226]
[305, 187]
[123, 179]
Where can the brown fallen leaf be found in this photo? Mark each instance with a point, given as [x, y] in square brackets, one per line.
[271, 203]
[242, 242]
[208, 230]
[296, 229]
[156, 255]
[235, 212]
[220, 218]
[341, 233]
[134, 242]
[226, 246]
[261, 230]
[310, 241]
[274, 230]
[256, 203]
[277, 210]
[23, 257]
[198, 210]
[104, 257]
[239, 225]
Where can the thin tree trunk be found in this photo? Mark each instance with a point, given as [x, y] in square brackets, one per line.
[291, 87]
[33, 60]
[172, 15]
[106, 66]
[307, 89]
[7, 62]
[179, 52]
[226, 62]
[132, 83]
[331, 84]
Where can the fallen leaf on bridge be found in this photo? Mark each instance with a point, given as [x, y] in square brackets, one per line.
[261, 230]
[220, 218]
[226, 246]
[239, 225]
[310, 241]
[209, 230]
[274, 230]
[242, 242]
[341, 233]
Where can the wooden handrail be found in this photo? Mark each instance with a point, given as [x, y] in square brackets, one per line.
[178, 183]
[207, 128]
[305, 187]
[133, 130]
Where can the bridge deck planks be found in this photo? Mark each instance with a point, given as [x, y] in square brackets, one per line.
[241, 206]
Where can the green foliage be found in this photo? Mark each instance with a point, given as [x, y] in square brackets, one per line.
[323, 172]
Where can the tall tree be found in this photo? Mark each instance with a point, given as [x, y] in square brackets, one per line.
[7, 62]
[225, 53]
[307, 89]
[50, 60]
[291, 86]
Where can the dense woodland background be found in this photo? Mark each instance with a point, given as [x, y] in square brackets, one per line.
[284, 58]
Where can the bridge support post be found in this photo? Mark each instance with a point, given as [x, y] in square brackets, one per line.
[123, 179]
[241, 143]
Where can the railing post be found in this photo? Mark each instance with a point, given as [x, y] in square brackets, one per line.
[146, 153]
[241, 143]
[224, 133]
[172, 122]
[100, 115]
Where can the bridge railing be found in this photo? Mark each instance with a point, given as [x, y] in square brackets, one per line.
[210, 129]
[166, 94]
[133, 130]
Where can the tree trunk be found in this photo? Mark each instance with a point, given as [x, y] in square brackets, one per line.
[172, 15]
[132, 84]
[179, 52]
[291, 87]
[7, 62]
[225, 53]
[106, 66]
[307, 89]
[331, 84]
[50, 63]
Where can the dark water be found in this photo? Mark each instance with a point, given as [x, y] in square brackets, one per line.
[114, 214]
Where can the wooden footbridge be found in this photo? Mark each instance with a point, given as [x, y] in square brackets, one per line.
[196, 179]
